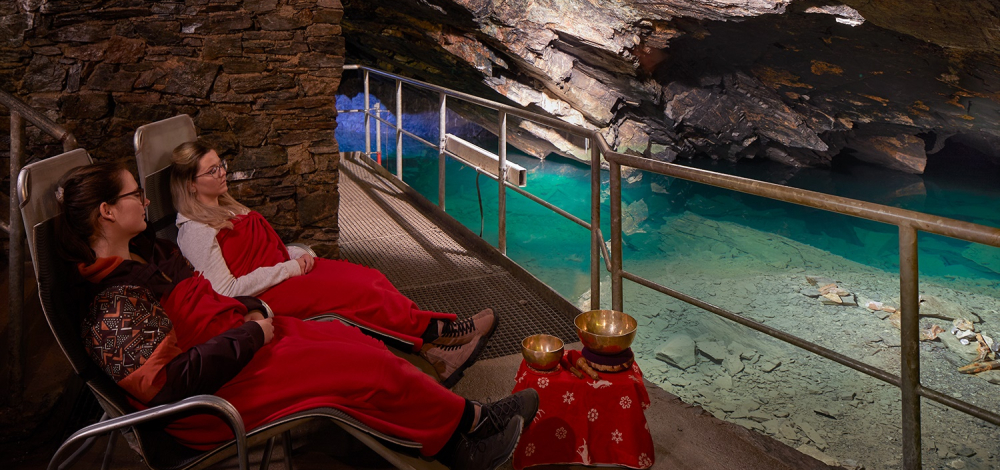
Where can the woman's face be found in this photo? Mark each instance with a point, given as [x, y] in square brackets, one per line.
[129, 207]
[210, 180]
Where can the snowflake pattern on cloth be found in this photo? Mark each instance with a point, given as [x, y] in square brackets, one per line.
[585, 421]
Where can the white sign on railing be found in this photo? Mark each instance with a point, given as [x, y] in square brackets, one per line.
[486, 161]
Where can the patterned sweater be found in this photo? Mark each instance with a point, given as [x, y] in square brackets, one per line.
[130, 336]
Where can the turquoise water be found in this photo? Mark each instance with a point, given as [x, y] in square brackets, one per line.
[556, 249]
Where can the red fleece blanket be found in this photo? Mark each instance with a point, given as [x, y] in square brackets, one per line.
[360, 294]
[310, 365]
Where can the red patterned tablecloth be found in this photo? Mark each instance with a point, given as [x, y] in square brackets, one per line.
[586, 421]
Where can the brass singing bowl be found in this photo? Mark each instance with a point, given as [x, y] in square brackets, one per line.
[605, 332]
[542, 352]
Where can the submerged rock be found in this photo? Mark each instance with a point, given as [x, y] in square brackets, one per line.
[714, 350]
[678, 351]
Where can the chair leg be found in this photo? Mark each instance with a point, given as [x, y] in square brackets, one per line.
[286, 439]
[265, 460]
[109, 452]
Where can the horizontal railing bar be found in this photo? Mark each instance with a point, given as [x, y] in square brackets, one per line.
[38, 119]
[551, 207]
[604, 251]
[841, 205]
[526, 194]
[527, 115]
[959, 405]
[786, 337]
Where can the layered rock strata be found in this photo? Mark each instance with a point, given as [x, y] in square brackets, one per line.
[795, 82]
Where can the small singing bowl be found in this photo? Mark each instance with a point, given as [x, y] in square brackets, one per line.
[606, 332]
[542, 352]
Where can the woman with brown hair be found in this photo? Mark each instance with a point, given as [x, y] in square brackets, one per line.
[157, 328]
[241, 254]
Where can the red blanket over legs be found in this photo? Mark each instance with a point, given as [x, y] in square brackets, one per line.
[309, 365]
[360, 294]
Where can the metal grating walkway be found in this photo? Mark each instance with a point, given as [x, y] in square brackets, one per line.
[439, 264]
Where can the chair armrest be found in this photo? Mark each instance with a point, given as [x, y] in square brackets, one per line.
[304, 247]
[209, 404]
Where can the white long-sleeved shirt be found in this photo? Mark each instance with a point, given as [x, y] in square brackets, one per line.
[199, 245]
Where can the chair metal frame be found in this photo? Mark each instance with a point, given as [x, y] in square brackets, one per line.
[144, 429]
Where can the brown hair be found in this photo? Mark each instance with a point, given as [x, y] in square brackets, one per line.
[83, 190]
[183, 168]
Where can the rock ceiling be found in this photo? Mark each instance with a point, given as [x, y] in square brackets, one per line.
[797, 82]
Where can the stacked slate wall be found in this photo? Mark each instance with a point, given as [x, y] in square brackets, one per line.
[259, 77]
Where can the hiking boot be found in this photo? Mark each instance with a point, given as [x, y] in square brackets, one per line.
[451, 361]
[494, 416]
[481, 324]
[487, 453]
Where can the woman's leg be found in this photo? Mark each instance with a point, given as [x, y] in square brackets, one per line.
[329, 364]
[359, 294]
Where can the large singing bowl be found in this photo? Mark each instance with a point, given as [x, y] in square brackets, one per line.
[605, 332]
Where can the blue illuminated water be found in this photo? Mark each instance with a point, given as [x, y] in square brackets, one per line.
[556, 249]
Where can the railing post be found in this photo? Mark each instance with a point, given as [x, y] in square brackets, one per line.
[502, 195]
[909, 299]
[442, 140]
[595, 224]
[15, 313]
[378, 132]
[615, 171]
[368, 126]
[399, 129]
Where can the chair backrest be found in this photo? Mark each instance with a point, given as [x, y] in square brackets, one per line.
[154, 144]
[36, 191]
[63, 307]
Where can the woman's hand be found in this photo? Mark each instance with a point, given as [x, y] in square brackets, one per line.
[253, 315]
[267, 325]
[306, 263]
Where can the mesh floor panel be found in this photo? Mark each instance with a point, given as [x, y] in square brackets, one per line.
[381, 228]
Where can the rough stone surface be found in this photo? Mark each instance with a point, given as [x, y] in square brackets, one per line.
[794, 82]
[240, 68]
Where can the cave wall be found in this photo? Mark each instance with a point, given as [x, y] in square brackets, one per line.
[259, 77]
[798, 82]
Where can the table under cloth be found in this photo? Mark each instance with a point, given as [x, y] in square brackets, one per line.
[586, 421]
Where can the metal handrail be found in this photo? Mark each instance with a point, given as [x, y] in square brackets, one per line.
[19, 111]
[908, 222]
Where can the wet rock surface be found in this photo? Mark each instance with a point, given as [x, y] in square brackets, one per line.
[795, 82]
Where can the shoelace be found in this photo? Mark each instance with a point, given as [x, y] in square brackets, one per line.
[459, 328]
[476, 446]
[492, 414]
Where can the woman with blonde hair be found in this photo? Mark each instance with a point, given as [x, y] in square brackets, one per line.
[240, 253]
[162, 334]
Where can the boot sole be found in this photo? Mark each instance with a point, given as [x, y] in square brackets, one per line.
[460, 372]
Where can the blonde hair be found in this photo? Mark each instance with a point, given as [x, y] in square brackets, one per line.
[183, 168]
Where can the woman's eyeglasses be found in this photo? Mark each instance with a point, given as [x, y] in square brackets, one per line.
[216, 170]
[138, 193]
